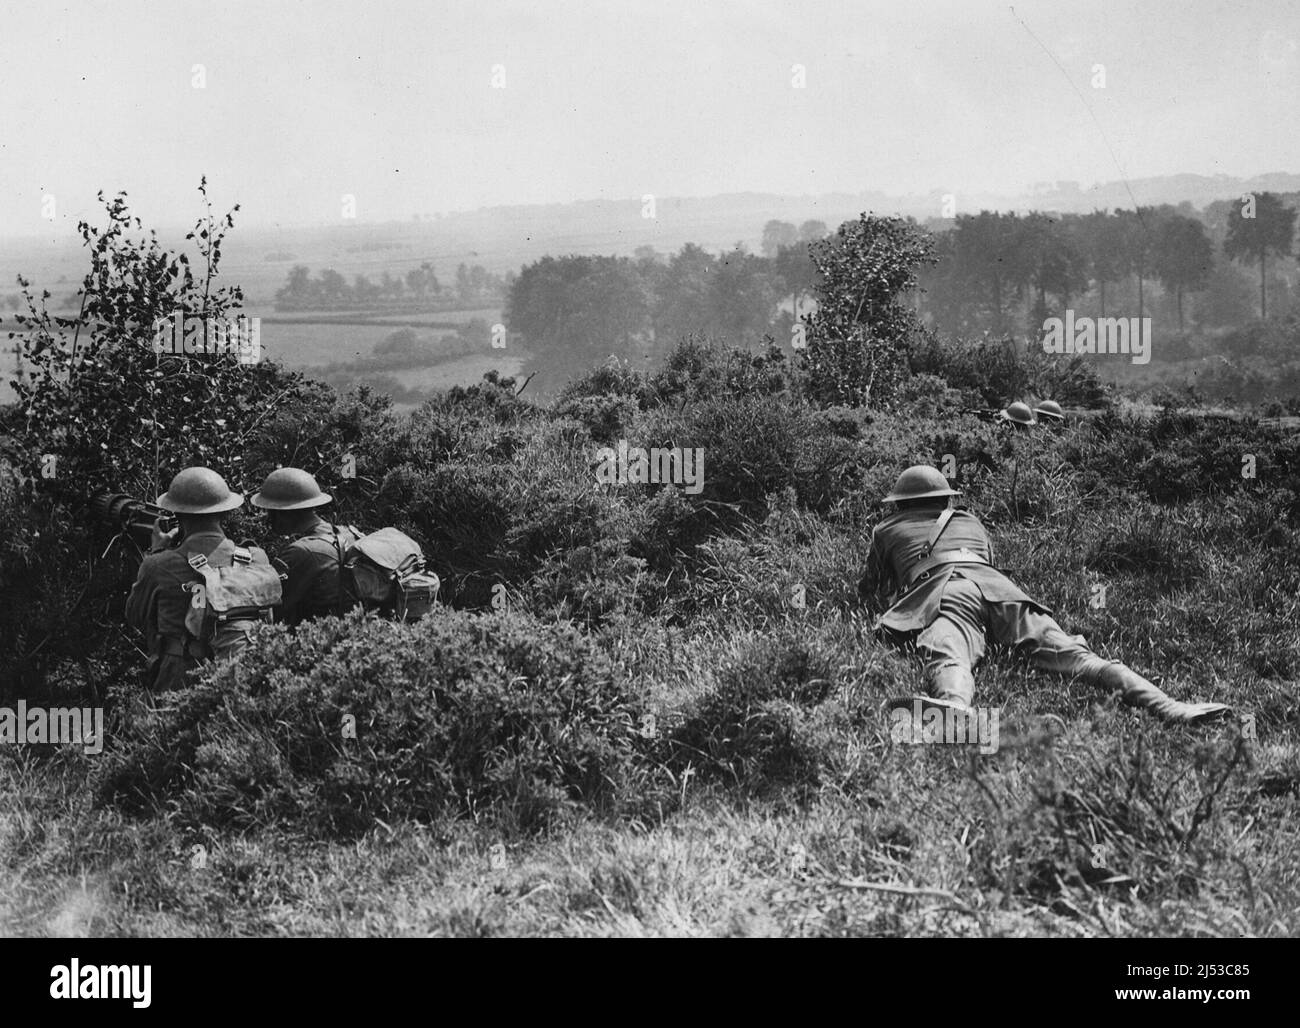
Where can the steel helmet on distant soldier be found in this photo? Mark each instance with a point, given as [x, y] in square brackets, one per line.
[199, 491]
[920, 482]
[290, 489]
[1050, 409]
[1019, 413]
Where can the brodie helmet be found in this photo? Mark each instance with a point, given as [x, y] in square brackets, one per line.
[199, 491]
[289, 489]
[920, 482]
[1018, 413]
[1049, 409]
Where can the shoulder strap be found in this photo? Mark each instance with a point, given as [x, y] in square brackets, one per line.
[937, 531]
[195, 614]
[338, 570]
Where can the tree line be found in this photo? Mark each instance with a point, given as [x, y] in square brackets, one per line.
[999, 272]
[418, 289]
[1002, 273]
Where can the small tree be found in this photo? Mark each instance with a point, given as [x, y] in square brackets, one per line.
[862, 328]
[97, 397]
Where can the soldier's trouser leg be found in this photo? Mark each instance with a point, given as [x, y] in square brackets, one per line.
[1040, 640]
[953, 643]
[1043, 642]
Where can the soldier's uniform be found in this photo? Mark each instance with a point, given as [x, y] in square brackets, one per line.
[309, 571]
[931, 571]
[159, 600]
[309, 564]
[960, 600]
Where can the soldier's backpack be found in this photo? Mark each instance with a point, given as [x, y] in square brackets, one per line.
[229, 601]
[384, 571]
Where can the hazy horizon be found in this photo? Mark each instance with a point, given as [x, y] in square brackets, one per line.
[394, 105]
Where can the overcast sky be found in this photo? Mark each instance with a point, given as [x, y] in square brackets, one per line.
[394, 102]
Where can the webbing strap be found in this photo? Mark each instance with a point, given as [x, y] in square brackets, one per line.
[937, 531]
[923, 570]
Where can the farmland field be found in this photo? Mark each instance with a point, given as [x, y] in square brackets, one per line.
[303, 345]
[314, 339]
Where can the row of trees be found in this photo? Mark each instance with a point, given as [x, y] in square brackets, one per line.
[782, 235]
[992, 264]
[994, 272]
[575, 311]
[418, 289]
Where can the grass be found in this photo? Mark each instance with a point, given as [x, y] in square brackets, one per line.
[1197, 829]
[773, 800]
[928, 849]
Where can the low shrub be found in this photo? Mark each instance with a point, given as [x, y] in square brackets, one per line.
[748, 730]
[358, 720]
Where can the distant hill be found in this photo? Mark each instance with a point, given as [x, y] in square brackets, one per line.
[504, 238]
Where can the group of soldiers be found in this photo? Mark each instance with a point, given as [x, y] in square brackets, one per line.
[307, 565]
[930, 574]
[1020, 415]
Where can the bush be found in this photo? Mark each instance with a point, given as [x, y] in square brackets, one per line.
[748, 730]
[990, 370]
[697, 368]
[606, 418]
[994, 372]
[614, 378]
[749, 446]
[467, 715]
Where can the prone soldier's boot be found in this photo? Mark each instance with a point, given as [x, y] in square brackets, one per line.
[1136, 691]
[953, 685]
[950, 686]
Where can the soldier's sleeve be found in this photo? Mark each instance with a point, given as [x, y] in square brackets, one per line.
[140, 603]
[988, 541]
[877, 580]
[296, 567]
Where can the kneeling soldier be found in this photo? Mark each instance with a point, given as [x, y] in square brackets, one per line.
[309, 564]
[931, 571]
[164, 604]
